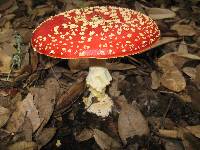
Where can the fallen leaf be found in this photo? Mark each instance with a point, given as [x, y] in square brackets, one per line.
[164, 40]
[195, 130]
[189, 56]
[173, 80]
[23, 145]
[45, 136]
[44, 99]
[4, 116]
[119, 66]
[182, 49]
[32, 112]
[183, 30]
[160, 13]
[197, 76]
[5, 62]
[131, 122]
[114, 88]
[5, 136]
[17, 118]
[69, 97]
[190, 71]
[104, 141]
[84, 135]
[155, 80]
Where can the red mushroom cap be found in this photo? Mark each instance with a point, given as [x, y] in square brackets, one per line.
[95, 32]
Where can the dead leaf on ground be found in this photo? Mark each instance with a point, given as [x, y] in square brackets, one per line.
[131, 122]
[190, 71]
[45, 136]
[104, 141]
[76, 65]
[160, 13]
[23, 145]
[70, 96]
[4, 116]
[114, 88]
[25, 108]
[32, 112]
[5, 62]
[44, 99]
[182, 48]
[183, 30]
[155, 80]
[197, 76]
[119, 66]
[173, 80]
[84, 135]
[195, 130]
[17, 118]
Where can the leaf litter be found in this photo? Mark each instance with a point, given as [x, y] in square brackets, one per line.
[163, 82]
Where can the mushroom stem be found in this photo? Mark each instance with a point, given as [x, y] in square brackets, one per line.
[97, 80]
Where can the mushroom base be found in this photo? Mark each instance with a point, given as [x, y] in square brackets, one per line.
[101, 106]
[98, 101]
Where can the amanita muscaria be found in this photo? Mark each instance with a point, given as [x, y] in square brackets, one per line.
[99, 32]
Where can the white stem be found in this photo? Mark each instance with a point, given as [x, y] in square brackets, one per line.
[98, 78]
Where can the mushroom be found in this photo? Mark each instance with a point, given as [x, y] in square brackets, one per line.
[98, 33]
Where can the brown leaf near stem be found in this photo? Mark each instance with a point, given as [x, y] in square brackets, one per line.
[104, 141]
[131, 122]
[68, 98]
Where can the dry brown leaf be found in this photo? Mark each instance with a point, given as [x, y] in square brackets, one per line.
[119, 66]
[164, 40]
[4, 116]
[197, 76]
[114, 88]
[17, 119]
[104, 141]
[160, 13]
[182, 49]
[41, 10]
[190, 71]
[23, 145]
[155, 80]
[195, 130]
[84, 135]
[173, 80]
[131, 122]
[189, 56]
[44, 99]
[5, 62]
[45, 136]
[25, 108]
[32, 112]
[68, 98]
[183, 30]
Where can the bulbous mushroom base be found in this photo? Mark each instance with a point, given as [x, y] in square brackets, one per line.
[101, 106]
[98, 101]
